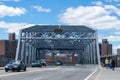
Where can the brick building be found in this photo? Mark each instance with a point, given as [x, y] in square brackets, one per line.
[73, 59]
[118, 51]
[106, 48]
[8, 49]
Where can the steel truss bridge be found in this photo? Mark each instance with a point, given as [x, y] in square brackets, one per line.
[34, 42]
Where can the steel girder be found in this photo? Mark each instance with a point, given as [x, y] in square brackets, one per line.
[58, 37]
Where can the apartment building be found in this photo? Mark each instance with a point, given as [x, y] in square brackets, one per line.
[8, 49]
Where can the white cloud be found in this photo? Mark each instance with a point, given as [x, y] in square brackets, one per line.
[108, 0]
[93, 16]
[117, 32]
[115, 48]
[111, 9]
[108, 8]
[10, 0]
[14, 27]
[117, 0]
[41, 9]
[98, 3]
[112, 0]
[113, 38]
[11, 11]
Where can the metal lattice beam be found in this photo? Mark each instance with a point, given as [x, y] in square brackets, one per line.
[58, 37]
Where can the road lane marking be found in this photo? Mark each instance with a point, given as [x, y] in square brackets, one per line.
[4, 75]
[91, 75]
[39, 78]
[11, 74]
[97, 77]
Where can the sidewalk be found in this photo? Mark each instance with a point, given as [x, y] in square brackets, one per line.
[108, 74]
[1, 68]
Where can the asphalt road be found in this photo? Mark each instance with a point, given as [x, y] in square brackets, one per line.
[48, 73]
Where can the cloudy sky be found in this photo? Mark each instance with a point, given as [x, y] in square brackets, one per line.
[103, 15]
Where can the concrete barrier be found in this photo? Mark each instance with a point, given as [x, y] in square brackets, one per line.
[1, 68]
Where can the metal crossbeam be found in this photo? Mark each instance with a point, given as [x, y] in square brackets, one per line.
[36, 40]
[39, 38]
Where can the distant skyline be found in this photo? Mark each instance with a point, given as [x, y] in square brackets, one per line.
[103, 15]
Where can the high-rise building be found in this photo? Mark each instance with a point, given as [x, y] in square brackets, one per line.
[12, 36]
[8, 49]
[118, 51]
[104, 41]
[106, 48]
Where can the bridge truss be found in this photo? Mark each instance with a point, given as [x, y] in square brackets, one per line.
[34, 42]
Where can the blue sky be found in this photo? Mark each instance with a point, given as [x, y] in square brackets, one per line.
[103, 15]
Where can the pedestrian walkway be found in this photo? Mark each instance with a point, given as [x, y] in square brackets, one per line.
[108, 74]
[1, 68]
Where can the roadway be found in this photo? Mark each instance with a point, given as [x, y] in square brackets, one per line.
[48, 73]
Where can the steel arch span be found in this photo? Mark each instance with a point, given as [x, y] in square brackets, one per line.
[38, 41]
